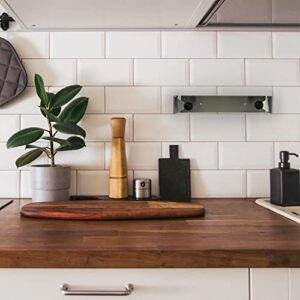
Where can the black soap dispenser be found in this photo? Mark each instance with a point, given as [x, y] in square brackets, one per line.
[285, 182]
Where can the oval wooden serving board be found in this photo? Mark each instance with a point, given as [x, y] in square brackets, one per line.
[111, 210]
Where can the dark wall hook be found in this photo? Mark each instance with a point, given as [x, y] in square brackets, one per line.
[5, 19]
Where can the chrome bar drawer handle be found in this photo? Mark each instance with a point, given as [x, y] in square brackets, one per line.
[65, 290]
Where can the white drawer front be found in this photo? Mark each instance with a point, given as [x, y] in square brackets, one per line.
[149, 284]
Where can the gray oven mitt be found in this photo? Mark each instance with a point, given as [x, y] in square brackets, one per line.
[13, 77]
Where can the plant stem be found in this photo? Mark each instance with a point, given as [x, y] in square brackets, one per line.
[51, 145]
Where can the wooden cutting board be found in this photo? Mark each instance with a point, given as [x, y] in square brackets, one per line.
[111, 210]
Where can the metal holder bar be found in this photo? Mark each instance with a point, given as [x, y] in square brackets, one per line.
[244, 104]
[65, 290]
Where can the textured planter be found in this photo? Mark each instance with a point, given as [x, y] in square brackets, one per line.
[50, 183]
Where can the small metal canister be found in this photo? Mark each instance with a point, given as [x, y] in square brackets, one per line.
[142, 188]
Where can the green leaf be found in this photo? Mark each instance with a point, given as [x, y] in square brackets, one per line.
[75, 144]
[75, 110]
[49, 115]
[69, 128]
[56, 140]
[65, 95]
[40, 90]
[28, 157]
[44, 149]
[24, 137]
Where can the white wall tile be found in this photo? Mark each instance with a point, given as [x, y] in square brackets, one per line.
[10, 124]
[272, 72]
[96, 182]
[77, 44]
[201, 155]
[11, 186]
[95, 95]
[217, 72]
[245, 91]
[218, 183]
[140, 156]
[26, 103]
[244, 44]
[54, 71]
[286, 44]
[9, 156]
[258, 183]
[168, 94]
[26, 184]
[161, 127]
[133, 44]
[218, 127]
[133, 100]
[98, 127]
[189, 44]
[269, 284]
[105, 72]
[153, 175]
[287, 146]
[91, 157]
[266, 127]
[286, 100]
[246, 155]
[30, 44]
[161, 72]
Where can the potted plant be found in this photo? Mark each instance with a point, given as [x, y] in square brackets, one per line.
[62, 112]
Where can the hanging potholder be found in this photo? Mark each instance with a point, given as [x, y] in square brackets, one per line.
[13, 77]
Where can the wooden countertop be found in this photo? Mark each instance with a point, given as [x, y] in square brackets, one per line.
[234, 233]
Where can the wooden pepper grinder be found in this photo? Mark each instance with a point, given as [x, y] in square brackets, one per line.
[118, 181]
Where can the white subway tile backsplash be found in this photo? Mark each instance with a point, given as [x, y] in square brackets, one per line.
[244, 44]
[218, 127]
[258, 183]
[153, 175]
[9, 156]
[168, 94]
[286, 100]
[217, 72]
[133, 44]
[77, 44]
[245, 91]
[286, 44]
[218, 184]
[30, 44]
[11, 186]
[188, 44]
[161, 127]
[98, 127]
[287, 146]
[249, 155]
[105, 72]
[133, 100]
[201, 155]
[10, 124]
[58, 72]
[272, 72]
[96, 182]
[266, 127]
[161, 72]
[140, 156]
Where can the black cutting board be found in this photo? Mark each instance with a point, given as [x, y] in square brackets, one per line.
[175, 177]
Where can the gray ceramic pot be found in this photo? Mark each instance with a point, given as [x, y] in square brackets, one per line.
[50, 183]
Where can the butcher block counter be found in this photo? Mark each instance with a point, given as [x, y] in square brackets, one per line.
[233, 233]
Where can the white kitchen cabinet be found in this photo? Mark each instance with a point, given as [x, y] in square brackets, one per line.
[269, 284]
[149, 284]
[294, 284]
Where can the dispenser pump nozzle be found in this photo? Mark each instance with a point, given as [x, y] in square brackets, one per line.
[284, 159]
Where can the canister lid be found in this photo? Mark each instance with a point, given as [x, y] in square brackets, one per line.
[142, 183]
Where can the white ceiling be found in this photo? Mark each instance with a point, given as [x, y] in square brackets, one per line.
[106, 14]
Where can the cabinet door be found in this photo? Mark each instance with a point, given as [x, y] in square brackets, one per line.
[269, 284]
[149, 284]
[295, 284]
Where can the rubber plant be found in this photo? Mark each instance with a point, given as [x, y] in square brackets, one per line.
[62, 113]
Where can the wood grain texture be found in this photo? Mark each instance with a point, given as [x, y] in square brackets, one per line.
[233, 233]
[118, 173]
[111, 210]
